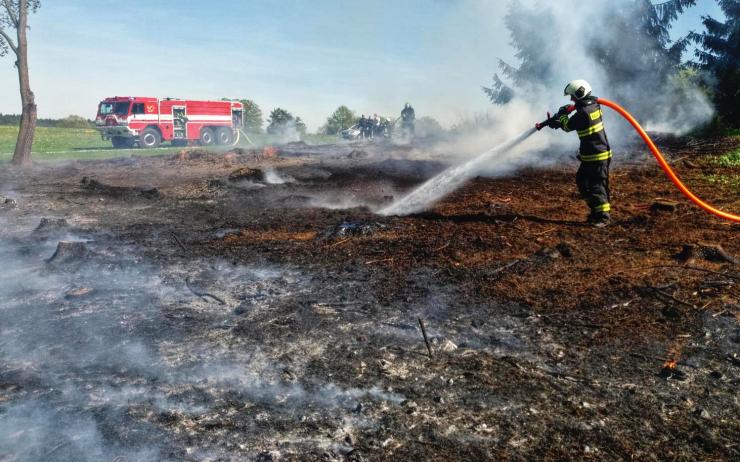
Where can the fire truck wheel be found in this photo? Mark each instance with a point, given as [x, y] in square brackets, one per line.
[149, 138]
[207, 137]
[224, 135]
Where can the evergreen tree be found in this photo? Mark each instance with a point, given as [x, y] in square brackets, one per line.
[719, 57]
[636, 50]
[536, 54]
[633, 45]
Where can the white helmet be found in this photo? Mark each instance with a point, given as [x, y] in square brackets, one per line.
[578, 89]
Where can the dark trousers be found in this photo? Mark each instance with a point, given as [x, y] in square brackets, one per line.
[592, 179]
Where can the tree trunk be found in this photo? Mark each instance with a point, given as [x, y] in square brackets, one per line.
[22, 154]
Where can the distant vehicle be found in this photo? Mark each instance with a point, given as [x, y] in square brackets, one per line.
[144, 121]
[351, 133]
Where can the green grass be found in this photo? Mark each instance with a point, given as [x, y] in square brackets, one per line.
[54, 144]
[729, 181]
[731, 159]
[48, 140]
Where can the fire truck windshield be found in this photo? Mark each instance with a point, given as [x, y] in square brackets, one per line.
[114, 108]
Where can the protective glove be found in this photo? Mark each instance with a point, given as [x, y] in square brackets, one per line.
[562, 111]
[554, 123]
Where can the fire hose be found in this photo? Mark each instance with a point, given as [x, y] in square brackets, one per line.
[658, 156]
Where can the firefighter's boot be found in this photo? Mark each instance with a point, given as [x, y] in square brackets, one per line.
[599, 219]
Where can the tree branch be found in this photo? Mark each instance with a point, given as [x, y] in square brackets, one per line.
[9, 41]
[8, 7]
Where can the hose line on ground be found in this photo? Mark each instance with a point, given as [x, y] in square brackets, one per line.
[664, 165]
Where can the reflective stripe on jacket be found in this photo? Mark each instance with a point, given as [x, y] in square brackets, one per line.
[590, 128]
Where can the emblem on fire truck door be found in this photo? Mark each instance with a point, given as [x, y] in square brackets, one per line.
[150, 108]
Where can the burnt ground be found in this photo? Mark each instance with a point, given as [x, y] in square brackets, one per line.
[201, 310]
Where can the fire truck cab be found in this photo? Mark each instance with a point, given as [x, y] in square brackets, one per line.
[129, 121]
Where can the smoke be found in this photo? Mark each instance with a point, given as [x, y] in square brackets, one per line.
[602, 43]
[605, 44]
[287, 132]
[273, 177]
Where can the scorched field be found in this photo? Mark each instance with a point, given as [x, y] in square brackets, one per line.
[251, 305]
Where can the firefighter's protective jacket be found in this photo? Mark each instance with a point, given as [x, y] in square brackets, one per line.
[587, 122]
[408, 114]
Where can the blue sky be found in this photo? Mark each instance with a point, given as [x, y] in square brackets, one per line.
[306, 56]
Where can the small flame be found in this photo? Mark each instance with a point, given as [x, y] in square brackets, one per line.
[670, 364]
[269, 151]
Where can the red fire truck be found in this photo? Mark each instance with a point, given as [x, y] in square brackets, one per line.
[134, 120]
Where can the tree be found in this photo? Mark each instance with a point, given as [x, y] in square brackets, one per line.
[283, 123]
[279, 119]
[532, 35]
[252, 116]
[629, 38]
[300, 126]
[341, 119]
[719, 57]
[428, 127]
[636, 49]
[14, 16]
[73, 121]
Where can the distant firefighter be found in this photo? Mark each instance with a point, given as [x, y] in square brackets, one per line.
[365, 126]
[377, 128]
[407, 119]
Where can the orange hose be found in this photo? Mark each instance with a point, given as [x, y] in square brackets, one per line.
[664, 165]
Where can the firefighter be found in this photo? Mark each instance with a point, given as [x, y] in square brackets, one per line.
[595, 155]
[407, 119]
[375, 124]
[362, 125]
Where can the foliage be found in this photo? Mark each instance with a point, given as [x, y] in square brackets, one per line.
[535, 50]
[428, 126]
[252, 116]
[472, 124]
[300, 126]
[341, 119]
[279, 118]
[283, 122]
[15, 119]
[73, 121]
[499, 92]
[730, 182]
[729, 160]
[634, 45]
[9, 20]
[719, 58]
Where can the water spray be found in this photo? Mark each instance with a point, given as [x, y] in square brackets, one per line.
[439, 186]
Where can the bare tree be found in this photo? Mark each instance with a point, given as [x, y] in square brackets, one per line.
[14, 16]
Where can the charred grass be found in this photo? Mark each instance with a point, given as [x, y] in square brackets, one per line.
[549, 337]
